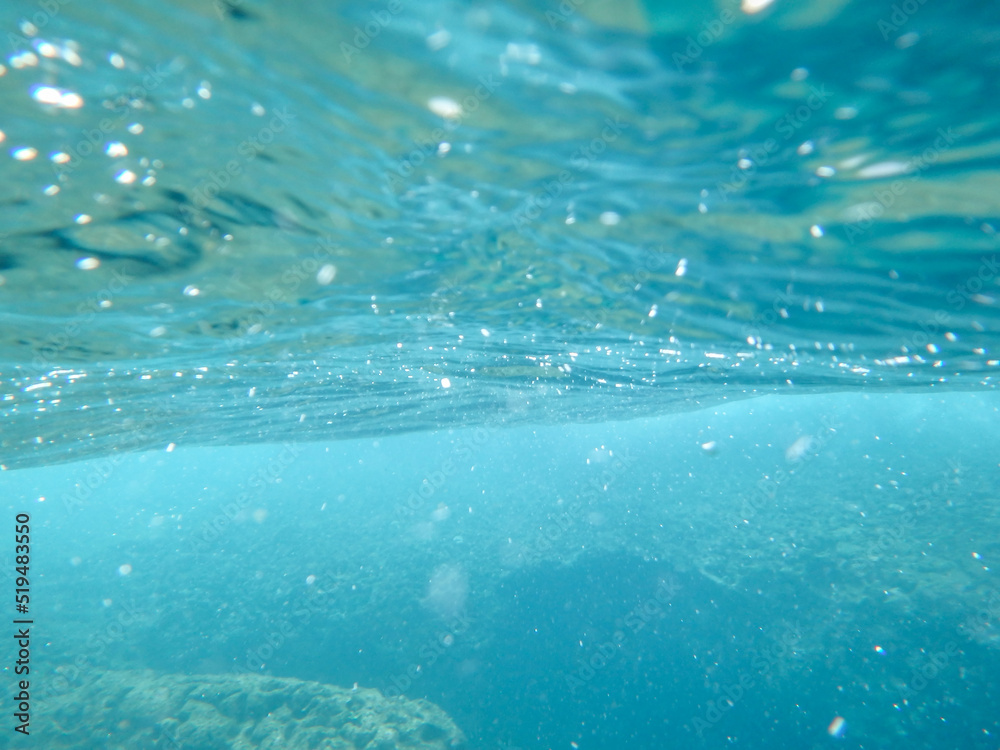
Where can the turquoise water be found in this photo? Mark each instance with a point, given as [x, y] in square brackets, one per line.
[607, 375]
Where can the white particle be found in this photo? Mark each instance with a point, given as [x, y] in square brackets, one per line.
[71, 56]
[116, 149]
[23, 60]
[883, 169]
[445, 107]
[526, 53]
[439, 39]
[56, 97]
[754, 6]
[326, 274]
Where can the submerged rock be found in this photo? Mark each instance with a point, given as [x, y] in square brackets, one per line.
[144, 709]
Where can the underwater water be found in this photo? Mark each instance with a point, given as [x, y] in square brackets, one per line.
[576, 374]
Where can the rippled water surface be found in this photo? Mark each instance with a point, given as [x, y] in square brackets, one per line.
[446, 308]
[348, 219]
